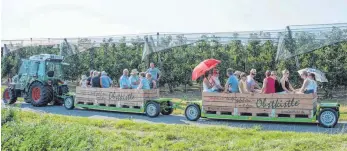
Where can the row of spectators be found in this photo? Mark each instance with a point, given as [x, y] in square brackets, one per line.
[240, 82]
[144, 80]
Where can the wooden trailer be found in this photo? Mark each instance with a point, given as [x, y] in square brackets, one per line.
[123, 100]
[264, 107]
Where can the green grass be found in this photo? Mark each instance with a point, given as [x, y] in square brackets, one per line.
[24, 130]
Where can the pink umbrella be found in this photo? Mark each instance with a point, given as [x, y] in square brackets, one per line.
[203, 67]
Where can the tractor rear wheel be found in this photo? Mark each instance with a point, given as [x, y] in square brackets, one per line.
[39, 94]
[9, 96]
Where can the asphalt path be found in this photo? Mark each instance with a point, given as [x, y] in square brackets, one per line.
[341, 127]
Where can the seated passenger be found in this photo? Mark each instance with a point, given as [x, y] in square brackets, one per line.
[96, 80]
[312, 87]
[232, 85]
[215, 81]
[134, 79]
[238, 74]
[252, 85]
[144, 83]
[89, 80]
[306, 87]
[268, 84]
[243, 83]
[207, 86]
[286, 86]
[278, 87]
[152, 82]
[83, 82]
[105, 80]
[124, 82]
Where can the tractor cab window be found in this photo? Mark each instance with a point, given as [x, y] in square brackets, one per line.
[54, 66]
[33, 68]
[24, 68]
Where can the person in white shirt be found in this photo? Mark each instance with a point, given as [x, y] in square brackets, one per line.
[216, 82]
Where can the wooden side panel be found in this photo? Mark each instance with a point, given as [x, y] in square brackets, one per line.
[115, 96]
[254, 104]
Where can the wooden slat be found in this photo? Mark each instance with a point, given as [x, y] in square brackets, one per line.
[293, 111]
[205, 103]
[218, 108]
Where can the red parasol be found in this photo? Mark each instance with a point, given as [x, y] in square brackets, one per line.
[203, 67]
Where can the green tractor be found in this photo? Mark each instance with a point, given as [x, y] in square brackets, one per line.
[39, 82]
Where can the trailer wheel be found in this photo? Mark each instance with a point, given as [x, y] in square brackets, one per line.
[152, 109]
[168, 108]
[328, 118]
[192, 112]
[69, 103]
[9, 96]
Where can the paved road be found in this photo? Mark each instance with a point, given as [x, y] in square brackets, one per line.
[341, 127]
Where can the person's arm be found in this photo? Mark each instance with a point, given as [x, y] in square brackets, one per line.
[252, 87]
[226, 86]
[303, 87]
[100, 82]
[283, 85]
[219, 85]
[264, 86]
[159, 75]
[140, 86]
[244, 89]
[207, 83]
[240, 87]
[138, 82]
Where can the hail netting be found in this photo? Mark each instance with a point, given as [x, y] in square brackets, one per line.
[297, 40]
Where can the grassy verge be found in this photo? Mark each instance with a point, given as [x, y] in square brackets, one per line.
[24, 130]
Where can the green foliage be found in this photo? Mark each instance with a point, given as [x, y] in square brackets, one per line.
[37, 131]
[177, 63]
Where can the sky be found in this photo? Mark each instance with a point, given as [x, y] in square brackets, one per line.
[81, 18]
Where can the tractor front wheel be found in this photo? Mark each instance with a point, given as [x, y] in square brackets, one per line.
[9, 96]
[39, 94]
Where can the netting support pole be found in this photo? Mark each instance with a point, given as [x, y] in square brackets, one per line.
[293, 47]
[158, 54]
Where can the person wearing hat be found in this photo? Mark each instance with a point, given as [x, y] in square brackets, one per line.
[134, 79]
[105, 80]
